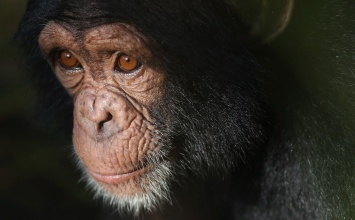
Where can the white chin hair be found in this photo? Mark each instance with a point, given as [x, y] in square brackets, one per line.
[153, 190]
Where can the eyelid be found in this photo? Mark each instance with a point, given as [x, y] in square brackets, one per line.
[51, 56]
[52, 53]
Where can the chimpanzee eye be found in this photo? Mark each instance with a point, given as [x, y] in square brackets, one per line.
[126, 63]
[68, 60]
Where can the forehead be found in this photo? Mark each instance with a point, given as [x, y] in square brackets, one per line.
[107, 30]
[56, 34]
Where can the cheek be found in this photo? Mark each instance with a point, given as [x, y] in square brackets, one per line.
[147, 86]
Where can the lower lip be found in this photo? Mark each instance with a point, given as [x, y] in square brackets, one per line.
[118, 178]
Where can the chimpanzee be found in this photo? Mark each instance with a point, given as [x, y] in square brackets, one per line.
[191, 109]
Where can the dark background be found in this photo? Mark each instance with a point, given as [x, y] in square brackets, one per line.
[38, 179]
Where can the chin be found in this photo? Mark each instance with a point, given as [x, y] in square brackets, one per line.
[140, 191]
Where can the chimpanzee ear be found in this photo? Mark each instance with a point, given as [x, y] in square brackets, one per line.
[266, 18]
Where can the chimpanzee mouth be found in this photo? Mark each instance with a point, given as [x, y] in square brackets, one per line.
[113, 179]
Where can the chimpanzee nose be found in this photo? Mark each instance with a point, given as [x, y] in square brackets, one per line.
[101, 123]
[103, 113]
[96, 111]
[100, 117]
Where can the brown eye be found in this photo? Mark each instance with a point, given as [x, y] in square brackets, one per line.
[68, 60]
[127, 63]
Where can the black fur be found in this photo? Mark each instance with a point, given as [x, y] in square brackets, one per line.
[244, 153]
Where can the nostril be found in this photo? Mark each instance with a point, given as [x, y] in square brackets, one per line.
[101, 124]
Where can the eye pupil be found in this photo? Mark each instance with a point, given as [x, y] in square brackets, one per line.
[127, 63]
[68, 60]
